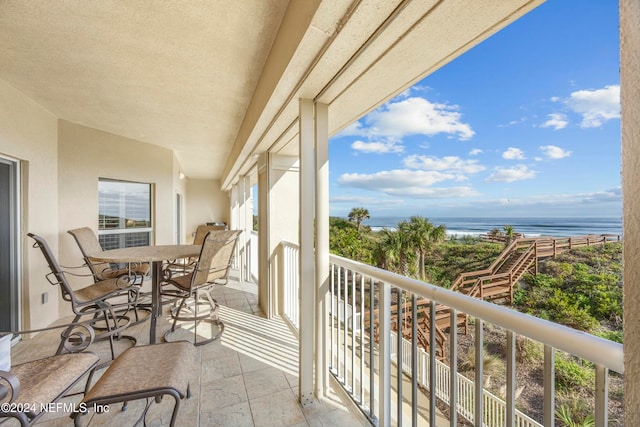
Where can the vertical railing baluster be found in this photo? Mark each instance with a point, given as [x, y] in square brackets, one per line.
[353, 332]
[549, 375]
[345, 300]
[414, 360]
[384, 359]
[432, 363]
[453, 368]
[511, 379]
[362, 339]
[399, 355]
[333, 313]
[338, 312]
[479, 360]
[372, 389]
[602, 396]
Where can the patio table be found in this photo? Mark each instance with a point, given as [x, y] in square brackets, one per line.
[155, 255]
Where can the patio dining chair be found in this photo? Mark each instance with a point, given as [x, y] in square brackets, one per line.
[96, 300]
[213, 264]
[184, 266]
[88, 243]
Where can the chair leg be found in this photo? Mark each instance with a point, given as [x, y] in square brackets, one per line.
[177, 314]
[65, 334]
[195, 320]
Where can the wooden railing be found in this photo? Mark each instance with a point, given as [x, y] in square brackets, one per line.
[498, 282]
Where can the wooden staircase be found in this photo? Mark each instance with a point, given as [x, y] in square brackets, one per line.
[422, 324]
[495, 283]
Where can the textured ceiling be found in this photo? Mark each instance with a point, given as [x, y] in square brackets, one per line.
[178, 73]
[218, 81]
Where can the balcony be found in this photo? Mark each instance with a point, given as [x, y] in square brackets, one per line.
[183, 98]
[394, 381]
[247, 378]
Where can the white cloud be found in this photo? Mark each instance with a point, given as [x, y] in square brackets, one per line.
[596, 106]
[416, 116]
[403, 182]
[556, 121]
[513, 154]
[377, 147]
[354, 129]
[475, 152]
[447, 163]
[363, 201]
[516, 173]
[554, 152]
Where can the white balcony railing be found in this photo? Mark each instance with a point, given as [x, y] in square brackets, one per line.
[290, 279]
[364, 366]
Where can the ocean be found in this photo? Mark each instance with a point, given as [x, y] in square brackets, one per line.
[530, 227]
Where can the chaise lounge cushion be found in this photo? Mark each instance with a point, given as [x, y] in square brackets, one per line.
[145, 370]
[43, 381]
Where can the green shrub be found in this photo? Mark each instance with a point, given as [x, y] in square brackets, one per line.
[615, 336]
[573, 374]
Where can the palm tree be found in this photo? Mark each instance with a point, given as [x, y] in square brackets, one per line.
[358, 215]
[418, 231]
[509, 231]
[393, 252]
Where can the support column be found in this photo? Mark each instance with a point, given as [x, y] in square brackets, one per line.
[264, 251]
[307, 257]
[245, 223]
[278, 188]
[322, 247]
[630, 93]
[234, 219]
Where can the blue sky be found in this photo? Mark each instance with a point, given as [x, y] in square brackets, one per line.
[526, 124]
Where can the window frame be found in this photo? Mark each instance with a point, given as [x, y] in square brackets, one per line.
[120, 231]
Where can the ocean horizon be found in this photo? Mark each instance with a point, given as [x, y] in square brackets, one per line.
[530, 227]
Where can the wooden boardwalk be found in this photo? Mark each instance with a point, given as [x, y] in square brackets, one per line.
[495, 283]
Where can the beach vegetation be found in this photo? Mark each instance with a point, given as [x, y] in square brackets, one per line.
[581, 288]
[357, 215]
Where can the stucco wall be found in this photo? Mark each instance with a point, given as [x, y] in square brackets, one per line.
[29, 133]
[205, 202]
[630, 82]
[85, 155]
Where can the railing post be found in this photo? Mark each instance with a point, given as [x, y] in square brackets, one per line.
[384, 359]
[479, 361]
[602, 396]
[549, 387]
[453, 363]
[511, 379]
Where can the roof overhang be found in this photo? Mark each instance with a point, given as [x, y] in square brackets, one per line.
[219, 82]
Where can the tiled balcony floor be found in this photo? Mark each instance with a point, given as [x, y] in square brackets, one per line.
[246, 378]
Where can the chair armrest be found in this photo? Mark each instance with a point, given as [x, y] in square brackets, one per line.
[9, 386]
[81, 335]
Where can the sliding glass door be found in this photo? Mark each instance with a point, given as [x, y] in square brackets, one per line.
[9, 245]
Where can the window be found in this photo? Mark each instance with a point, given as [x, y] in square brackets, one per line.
[124, 214]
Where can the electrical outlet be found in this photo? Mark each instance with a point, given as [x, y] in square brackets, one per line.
[45, 297]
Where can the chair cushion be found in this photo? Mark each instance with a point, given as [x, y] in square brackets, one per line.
[45, 380]
[99, 290]
[145, 369]
[140, 269]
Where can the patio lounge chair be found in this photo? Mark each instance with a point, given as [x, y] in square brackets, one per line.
[27, 389]
[92, 300]
[213, 264]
